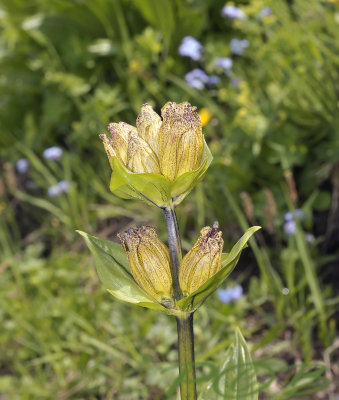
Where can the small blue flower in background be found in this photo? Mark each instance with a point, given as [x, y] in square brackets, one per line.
[225, 63]
[190, 47]
[197, 78]
[213, 80]
[264, 12]
[290, 228]
[227, 295]
[59, 188]
[53, 153]
[238, 46]
[309, 238]
[298, 214]
[233, 12]
[22, 165]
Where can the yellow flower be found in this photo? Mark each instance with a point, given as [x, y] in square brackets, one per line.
[171, 146]
[205, 116]
[161, 159]
[181, 140]
[149, 261]
[202, 261]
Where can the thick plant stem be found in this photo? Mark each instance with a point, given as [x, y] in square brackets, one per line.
[184, 323]
[174, 249]
[186, 357]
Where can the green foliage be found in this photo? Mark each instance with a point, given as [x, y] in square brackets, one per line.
[70, 67]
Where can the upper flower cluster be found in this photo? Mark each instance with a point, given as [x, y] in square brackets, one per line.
[161, 159]
[170, 147]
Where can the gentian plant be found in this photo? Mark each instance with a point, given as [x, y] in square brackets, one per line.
[160, 161]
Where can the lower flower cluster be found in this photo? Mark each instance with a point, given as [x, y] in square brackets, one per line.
[149, 261]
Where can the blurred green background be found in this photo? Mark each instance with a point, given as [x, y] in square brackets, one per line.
[270, 114]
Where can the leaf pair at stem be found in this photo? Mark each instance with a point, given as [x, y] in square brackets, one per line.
[117, 274]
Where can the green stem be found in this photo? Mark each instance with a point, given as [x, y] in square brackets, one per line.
[186, 357]
[174, 249]
[184, 323]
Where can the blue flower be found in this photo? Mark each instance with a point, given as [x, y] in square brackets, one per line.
[225, 63]
[264, 12]
[53, 153]
[190, 47]
[227, 295]
[59, 188]
[213, 80]
[290, 228]
[309, 238]
[197, 78]
[238, 46]
[22, 165]
[298, 214]
[233, 12]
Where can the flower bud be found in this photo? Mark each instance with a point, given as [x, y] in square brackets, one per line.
[148, 125]
[120, 137]
[149, 261]
[140, 157]
[181, 140]
[202, 261]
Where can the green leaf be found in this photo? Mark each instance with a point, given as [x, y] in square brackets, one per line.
[155, 188]
[237, 378]
[152, 188]
[229, 261]
[114, 273]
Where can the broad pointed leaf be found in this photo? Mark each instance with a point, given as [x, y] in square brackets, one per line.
[229, 261]
[237, 378]
[153, 188]
[114, 273]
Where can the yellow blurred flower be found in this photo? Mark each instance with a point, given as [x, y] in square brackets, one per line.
[149, 260]
[202, 261]
[205, 116]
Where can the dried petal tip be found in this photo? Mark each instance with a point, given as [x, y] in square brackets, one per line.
[149, 260]
[202, 261]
